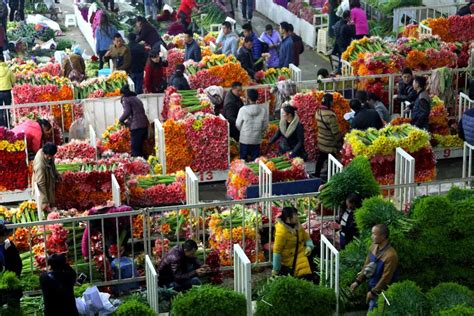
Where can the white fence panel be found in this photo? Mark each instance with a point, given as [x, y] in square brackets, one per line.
[334, 166]
[93, 139]
[160, 145]
[243, 276]
[39, 204]
[467, 161]
[115, 191]
[404, 174]
[424, 30]
[295, 73]
[265, 182]
[151, 285]
[192, 187]
[465, 103]
[330, 267]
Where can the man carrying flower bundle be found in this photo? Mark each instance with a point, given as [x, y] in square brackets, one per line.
[45, 175]
[180, 268]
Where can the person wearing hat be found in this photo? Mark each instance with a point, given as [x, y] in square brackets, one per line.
[178, 80]
[135, 118]
[167, 15]
[74, 66]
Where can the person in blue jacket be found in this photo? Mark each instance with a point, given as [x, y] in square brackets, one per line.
[104, 35]
[257, 44]
[286, 46]
[466, 126]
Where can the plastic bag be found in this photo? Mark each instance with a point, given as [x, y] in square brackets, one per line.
[78, 129]
[92, 300]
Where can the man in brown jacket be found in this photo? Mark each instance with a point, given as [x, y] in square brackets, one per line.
[329, 136]
[380, 267]
[45, 175]
[119, 53]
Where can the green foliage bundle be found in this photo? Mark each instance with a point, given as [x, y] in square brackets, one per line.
[208, 300]
[134, 307]
[291, 296]
[356, 177]
[458, 310]
[79, 290]
[9, 281]
[405, 298]
[447, 295]
[458, 194]
[64, 44]
[30, 282]
[375, 211]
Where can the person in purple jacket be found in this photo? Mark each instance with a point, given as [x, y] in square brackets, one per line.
[180, 268]
[359, 17]
[273, 39]
[135, 118]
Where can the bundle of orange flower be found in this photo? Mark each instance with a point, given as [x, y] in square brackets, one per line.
[440, 27]
[178, 152]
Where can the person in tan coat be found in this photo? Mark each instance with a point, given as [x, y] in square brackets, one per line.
[45, 175]
[292, 246]
[119, 53]
[75, 62]
[329, 136]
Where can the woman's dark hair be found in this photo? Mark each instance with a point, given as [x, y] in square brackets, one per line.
[57, 262]
[44, 123]
[355, 4]
[288, 212]
[105, 25]
[154, 53]
[407, 71]
[346, 14]
[421, 81]
[373, 96]
[290, 110]
[3, 230]
[327, 100]
[190, 245]
[354, 199]
[323, 72]
[268, 27]
[50, 149]
[126, 92]
[355, 105]
[361, 95]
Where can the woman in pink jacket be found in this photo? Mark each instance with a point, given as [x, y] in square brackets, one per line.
[35, 132]
[359, 17]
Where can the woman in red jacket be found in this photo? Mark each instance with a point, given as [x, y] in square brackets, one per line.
[155, 79]
[185, 10]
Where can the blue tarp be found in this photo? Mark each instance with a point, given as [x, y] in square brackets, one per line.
[284, 188]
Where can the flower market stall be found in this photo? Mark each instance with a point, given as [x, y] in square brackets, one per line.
[379, 147]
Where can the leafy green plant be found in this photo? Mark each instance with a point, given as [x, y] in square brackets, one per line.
[291, 296]
[447, 295]
[9, 281]
[79, 290]
[30, 282]
[64, 44]
[458, 194]
[405, 298]
[134, 307]
[375, 211]
[209, 300]
[356, 177]
[458, 310]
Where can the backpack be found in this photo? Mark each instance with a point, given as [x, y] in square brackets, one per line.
[298, 39]
[265, 47]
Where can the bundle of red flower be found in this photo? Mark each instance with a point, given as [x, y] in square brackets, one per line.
[455, 28]
[157, 190]
[175, 57]
[242, 175]
[84, 185]
[307, 104]
[76, 149]
[13, 167]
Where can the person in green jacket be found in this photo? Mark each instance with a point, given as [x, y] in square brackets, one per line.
[6, 83]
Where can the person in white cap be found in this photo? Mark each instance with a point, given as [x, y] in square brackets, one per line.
[167, 15]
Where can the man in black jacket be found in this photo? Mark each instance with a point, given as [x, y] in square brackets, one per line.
[138, 62]
[364, 118]
[298, 45]
[148, 34]
[405, 87]
[10, 261]
[232, 105]
[465, 10]
[345, 32]
[244, 55]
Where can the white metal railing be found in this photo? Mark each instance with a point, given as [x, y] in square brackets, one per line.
[467, 160]
[160, 145]
[295, 73]
[39, 202]
[152, 285]
[404, 174]
[228, 136]
[93, 139]
[265, 183]
[405, 109]
[321, 21]
[334, 166]
[424, 29]
[243, 276]
[330, 267]
[465, 103]
[116, 191]
[346, 68]
[192, 187]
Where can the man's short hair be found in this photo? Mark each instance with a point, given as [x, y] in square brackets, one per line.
[50, 149]
[236, 85]
[247, 27]
[190, 245]
[248, 39]
[117, 35]
[227, 25]
[252, 94]
[407, 71]
[285, 26]
[189, 33]
[383, 230]
[355, 105]
[290, 27]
